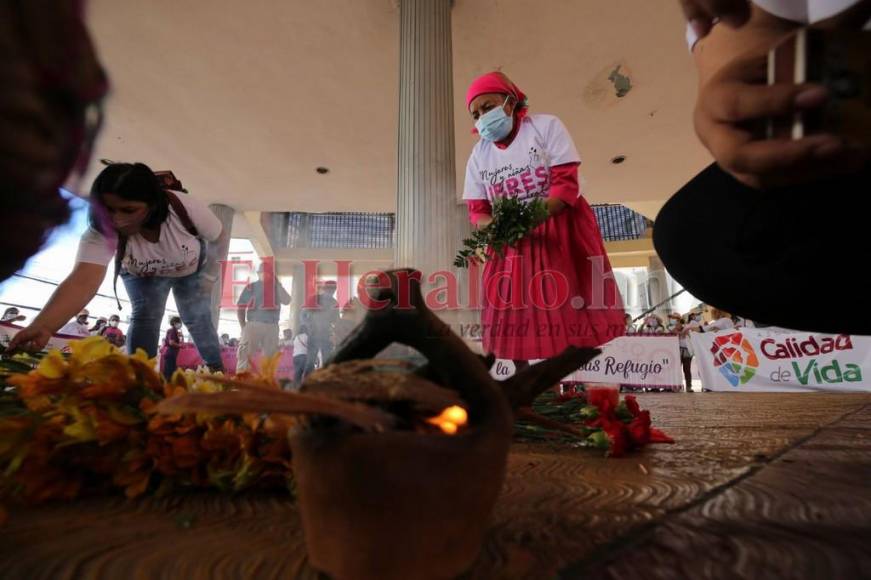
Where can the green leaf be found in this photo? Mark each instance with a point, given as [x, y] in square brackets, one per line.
[589, 412]
[600, 440]
[622, 412]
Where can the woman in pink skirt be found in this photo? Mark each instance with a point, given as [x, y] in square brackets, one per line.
[555, 288]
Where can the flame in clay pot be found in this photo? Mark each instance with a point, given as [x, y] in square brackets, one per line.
[450, 420]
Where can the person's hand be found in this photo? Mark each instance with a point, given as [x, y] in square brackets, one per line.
[32, 338]
[554, 206]
[207, 279]
[484, 221]
[730, 116]
[703, 14]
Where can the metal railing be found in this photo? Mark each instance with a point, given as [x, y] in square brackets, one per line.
[370, 231]
[619, 223]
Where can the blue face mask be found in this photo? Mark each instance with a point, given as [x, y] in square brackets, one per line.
[495, 125]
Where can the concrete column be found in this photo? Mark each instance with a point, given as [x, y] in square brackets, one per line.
[426, 229]
[219, 250]
[430, 223]
[658, 283]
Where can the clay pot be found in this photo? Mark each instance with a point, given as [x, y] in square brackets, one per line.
[397, 505]
[402, 504]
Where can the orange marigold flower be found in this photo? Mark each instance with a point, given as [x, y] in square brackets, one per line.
[186, 452]
[134, 475]
[108, 430]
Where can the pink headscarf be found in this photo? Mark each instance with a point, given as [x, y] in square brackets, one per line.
[497, 82]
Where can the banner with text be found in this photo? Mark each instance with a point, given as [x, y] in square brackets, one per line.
[642, 361]
[760, 360]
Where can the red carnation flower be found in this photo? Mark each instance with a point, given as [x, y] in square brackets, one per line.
[617, 435]
[639, 429]
[632, 405]
[605, 398]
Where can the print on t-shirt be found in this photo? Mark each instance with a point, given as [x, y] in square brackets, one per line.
[186, 261]
[521, 182]
[176, 253]
[523, 169]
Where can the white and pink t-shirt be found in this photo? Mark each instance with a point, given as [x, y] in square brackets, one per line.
[522, 169]
[175, 254]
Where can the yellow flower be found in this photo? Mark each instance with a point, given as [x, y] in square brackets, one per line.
[90, 349]
[269, 369]
[107, 377]
[82, 429]
[121, 416]
[53, 365]
[142, 356]
[204, 386]
[38, 404]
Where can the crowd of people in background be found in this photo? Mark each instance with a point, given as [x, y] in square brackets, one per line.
[107, 327]
[322, 326]
[325, 325]
[683, 325]
[12, 315]
[677, 323]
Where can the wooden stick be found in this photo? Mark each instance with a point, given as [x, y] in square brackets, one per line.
[527, 414]
[274, 401]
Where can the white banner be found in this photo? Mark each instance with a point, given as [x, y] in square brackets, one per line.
[756, 359]
[643, 361]
[59, 341]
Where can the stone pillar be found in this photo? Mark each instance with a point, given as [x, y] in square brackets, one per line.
[430, 223]
[658, 284]
[426, 196]
[219, 250]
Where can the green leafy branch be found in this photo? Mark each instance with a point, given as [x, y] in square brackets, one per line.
[513, 219]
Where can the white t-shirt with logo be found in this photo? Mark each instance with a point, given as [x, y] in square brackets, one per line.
[521, 170]
[803, 11]
[175, 254]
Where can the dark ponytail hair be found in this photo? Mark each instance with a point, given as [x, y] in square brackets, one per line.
[133, 182]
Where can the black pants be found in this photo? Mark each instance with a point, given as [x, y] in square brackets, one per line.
[169, 362]
[687, 363]
[318, 345]
[300, 364]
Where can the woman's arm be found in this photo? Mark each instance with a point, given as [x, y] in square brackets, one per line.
[210, 229]
[564, 188]
[555, 206]
[71, 296]
[480, 212]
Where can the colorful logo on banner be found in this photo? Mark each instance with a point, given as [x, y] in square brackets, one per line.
[735, 358]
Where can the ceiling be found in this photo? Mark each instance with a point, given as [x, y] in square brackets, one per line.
[245, 100]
